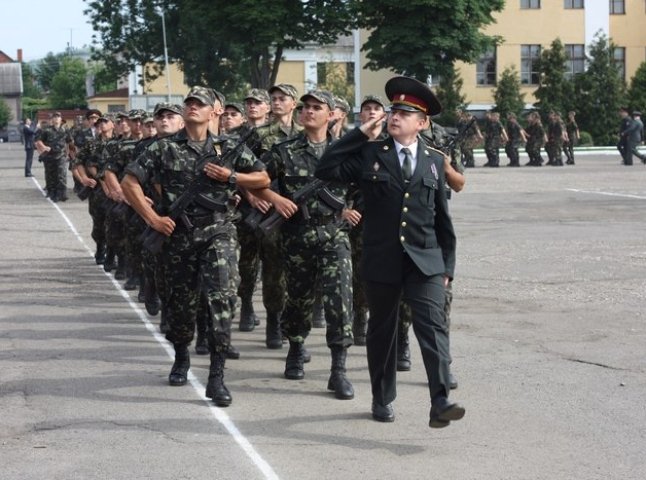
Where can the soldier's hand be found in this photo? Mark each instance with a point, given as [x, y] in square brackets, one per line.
[89, 182]
[216, 172]
[259, 204]
[164, 225]
[372, 128]
[351, 216]
[285, 207]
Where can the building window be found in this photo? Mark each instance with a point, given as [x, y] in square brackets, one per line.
[617, 7]
[620, 61]
[527, 4]
[575, 62]
[486, 68]
[571, 4]
[529, 56]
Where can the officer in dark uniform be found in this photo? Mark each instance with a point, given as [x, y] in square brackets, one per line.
[409, 242]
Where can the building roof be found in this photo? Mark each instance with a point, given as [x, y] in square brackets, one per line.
[10, 79]
[4, 58]
[119, 93]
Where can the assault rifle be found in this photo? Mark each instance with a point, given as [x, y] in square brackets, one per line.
[273, 219]
[151, 238]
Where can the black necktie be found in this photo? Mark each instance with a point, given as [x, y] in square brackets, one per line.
[407, 166]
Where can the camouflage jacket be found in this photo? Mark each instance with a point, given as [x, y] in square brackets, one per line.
[82, 135]
[272, 133]
[536, 134]
[292, 163]
[89, 153]
[555, 132]
[493, 134]
[122, 156]
[174, 164]
[513, 132]
[56, 139]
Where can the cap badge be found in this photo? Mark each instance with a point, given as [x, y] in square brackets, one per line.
[402, 97]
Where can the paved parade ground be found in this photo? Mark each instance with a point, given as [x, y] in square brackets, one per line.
[548, 341]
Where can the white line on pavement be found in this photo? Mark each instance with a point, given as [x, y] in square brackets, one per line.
[219, 414]
[609, 194]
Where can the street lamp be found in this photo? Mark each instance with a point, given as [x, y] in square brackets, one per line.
[165, 54]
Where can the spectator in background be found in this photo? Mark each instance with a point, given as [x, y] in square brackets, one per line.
[28, 134]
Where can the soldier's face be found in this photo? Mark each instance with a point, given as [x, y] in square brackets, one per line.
[135, 126]
[92, 119]
[256, 110]
[315, 114]
[168, 123]
[402, 123]
[124, 126]
[195, 112]
[56, 121]
[370, 110]
[106, 128]
[282, 104]
[231, 118]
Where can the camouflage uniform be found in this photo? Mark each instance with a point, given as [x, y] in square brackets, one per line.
[493, 134]
[313, 250]
[56, 163]
[535, 140]
[266, 248]
[515, 140]
[468, 143]
[571, 128]
[201, 258]
[554, 145]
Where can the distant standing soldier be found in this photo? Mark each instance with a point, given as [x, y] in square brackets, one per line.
[535, 140]
[516, 136]
[494, 135]
[573, 137]
[639, 137]
[472, 138]
[55, 144]
[628, 136]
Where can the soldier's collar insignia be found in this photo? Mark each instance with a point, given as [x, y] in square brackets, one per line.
[426, 152]
[376, 166]
[385, 147]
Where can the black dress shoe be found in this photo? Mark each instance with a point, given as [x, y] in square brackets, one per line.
[442, 412]
[383, 413]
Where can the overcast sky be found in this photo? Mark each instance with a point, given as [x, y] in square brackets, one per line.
[42, 26]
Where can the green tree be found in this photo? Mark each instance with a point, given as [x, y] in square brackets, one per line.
[507, 93]
[419, 38]
[5, 113]
[637, 89]
[211, 40]
[47, 68]
[335, 80]
[449, 93]
[30, 87]
[599, 92]
[68, 85]
[555, 89]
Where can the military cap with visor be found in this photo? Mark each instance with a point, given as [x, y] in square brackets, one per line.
[373, 99]
[285, 88]
[320, 96]
[411, 95]
[91, 112]
[236, 106]
[204, 95]
[169, 107]
[258, 94]
[136, 114]
[342, 104]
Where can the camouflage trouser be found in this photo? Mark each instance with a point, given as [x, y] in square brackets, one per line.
[512, 154]
[96, 208]
[55, 175]
[114, 229]
[534, 153]
[255, 249]
[317, 254]
[359, 302]
[568, 149]
[191, 268]
[134, 227]
[493, 154]
[406, 315]
[467, 157]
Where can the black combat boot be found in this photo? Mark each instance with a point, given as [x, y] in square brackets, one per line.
[233, 353]
[294, 362]
[318, 318]
[120, 272]
[247, 315]
[215, 389]
[178, 372]
[132, 283]
[359, 327]
[273, 335]
[403, 350]
[151, 299]
[99, 255]
[338, 382]
[62, 194]
[201, 344]
[109, 263]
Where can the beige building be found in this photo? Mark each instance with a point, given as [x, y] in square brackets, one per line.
[526, 27]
